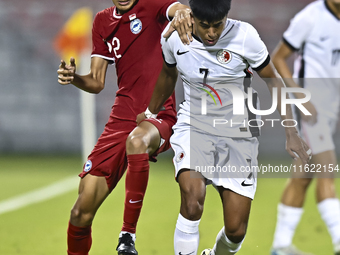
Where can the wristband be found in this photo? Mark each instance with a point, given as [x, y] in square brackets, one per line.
[149, 114]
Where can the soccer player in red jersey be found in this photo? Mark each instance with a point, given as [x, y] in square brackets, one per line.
[128, 35]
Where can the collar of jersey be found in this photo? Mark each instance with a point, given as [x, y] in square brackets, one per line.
[115, 14]
[330, 10]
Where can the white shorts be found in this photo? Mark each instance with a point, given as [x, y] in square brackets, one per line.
[319, 137]
[223, 161]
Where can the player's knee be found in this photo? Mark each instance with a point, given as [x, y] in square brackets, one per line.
[81, 218]
[235, 234]
[301, 182]
[193, 208]
[136, 144]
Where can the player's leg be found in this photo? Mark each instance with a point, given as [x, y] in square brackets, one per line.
[92, 192]
[236, 209]
[319, 137]
[290, 209]
[192, 148]
[193, 190]
[104, 168]
[141, 143]
[328, 203]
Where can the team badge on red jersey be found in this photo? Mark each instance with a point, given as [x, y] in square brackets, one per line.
[88, 166]
[223, 56]
[136, 26]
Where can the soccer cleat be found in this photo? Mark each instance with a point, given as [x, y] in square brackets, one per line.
[290, 250]
[126, 245]
[207, 252]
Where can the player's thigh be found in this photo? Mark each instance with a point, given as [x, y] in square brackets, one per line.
[325, 163]
[236, 209]
[192, 149]
[145, 138]
[92, 192]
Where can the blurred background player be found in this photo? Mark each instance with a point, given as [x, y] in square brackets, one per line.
[222, 53]
[127, 34]
[314, 34]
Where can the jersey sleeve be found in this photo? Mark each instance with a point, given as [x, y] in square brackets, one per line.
[255, 51]
[299, 28]
[99, 47]
[163, 7]
[167, 48]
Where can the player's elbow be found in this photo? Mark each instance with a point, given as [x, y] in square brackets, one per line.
[98, 88]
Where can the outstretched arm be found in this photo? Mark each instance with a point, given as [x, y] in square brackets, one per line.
[294, 143]
[93, 82]
[164, 88]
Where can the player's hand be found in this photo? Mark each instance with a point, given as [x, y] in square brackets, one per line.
[182, 22]
[66, 72]
[297, 148]
[310, 119]
[140, 117]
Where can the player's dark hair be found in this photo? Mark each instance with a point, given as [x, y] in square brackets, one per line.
[210, 10]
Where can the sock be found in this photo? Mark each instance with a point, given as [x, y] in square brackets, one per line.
[186, 237]
[287, 219]
[136, 181]
[330, 213]
[224, 246]
[79, 240]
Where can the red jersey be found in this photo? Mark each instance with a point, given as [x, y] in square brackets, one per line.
[132, 42]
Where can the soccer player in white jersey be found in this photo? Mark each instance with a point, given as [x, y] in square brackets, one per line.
[222, 54]
[315, 34]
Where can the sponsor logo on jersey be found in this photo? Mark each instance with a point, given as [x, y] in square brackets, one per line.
[181, 52]
[136, 26]
[324, 38]
[180, 157]
[224, 56]
[88, 166]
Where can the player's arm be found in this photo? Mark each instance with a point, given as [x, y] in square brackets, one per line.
[294, 142]
[164, 88]
[280, 55]
[181, 21]
[93, 82]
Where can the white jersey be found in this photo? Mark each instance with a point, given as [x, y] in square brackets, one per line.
[215, 77]
[315, 33]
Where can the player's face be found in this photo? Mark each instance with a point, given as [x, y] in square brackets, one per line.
[123, 5]
[209, 33]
